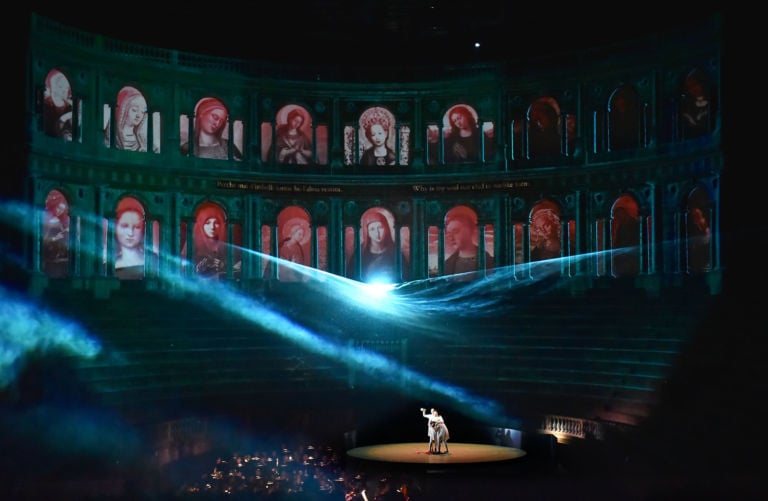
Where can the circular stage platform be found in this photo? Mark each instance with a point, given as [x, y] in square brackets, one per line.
[417, 453]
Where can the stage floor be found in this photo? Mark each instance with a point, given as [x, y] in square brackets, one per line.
[417, 453]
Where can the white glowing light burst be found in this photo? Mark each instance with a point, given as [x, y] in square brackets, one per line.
[377, 290]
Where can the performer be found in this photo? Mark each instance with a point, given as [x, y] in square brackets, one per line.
[430, 430]
[437, 431]
[441, 432]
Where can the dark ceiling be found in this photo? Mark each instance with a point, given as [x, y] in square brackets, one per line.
[365, 32]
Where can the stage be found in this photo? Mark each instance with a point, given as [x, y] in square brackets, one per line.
[417, 453]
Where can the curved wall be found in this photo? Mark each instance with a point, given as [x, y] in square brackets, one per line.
[593, 170]
[618, 143]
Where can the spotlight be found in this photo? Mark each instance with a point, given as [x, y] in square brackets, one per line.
[378, 289]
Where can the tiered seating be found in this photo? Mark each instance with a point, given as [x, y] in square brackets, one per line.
[601, 355]
[157, 349]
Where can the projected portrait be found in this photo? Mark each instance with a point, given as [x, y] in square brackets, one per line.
[544, 128]
[377, 140]
[57, 106]
[545, 232]
[56, 235]
[209, 244]
[462, 136]
[625, 235]
[698, 232]
[294, 246]
[131, 118]
[293, 144]
[464, 139]
[695, 105]
[378, 249]
[129, 236]
[461, 245]
[698, 241]
[210, 132]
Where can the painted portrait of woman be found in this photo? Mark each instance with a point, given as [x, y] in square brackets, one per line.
[57, 106]
[293, 144]
[210, 132]
[378, 249]
[376, 138]
[295, 236]
[129, 236]
[209, 249]
[131, 118]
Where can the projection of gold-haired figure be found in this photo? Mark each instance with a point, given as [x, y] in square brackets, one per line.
[376, 138]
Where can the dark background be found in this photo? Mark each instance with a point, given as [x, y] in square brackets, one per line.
[365, 31]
